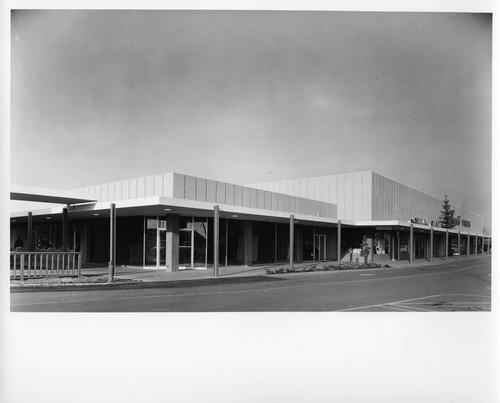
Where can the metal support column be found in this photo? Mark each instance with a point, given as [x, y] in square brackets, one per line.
[458, 245]
[290, 258]
[65, 229]
[411, 244]
[339, 237]
[446, 247]
[30, 232]
[475, 246]
[432, 243]
[468, 244]
[393, 247]
[216, 240]
[158, 243]
[112, 242]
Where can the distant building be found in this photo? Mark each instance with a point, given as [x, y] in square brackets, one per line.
[167, 221]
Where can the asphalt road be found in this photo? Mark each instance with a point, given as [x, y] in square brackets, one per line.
[461, 285]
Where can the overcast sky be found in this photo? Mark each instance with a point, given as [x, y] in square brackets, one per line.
[247, 97]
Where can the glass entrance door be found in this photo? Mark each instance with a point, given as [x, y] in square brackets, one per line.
[319, 247]
[193, 234]
[155, 240]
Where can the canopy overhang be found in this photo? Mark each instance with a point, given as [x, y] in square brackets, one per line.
[55, 196]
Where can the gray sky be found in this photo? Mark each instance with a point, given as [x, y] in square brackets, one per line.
[252, 96]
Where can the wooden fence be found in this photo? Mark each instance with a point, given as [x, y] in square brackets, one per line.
[45, 264]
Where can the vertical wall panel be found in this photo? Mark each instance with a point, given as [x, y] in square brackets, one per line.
[278, 187]
[349, 195]
[281, 202]
[126, 190]
[168, 184]
[254, 200]
[229, 193]
[286, 203]
[247, 197]
[289, 187]
[308, 207]
[111, 191]
[221, 192]
[302, 209]
[341, 195]
[333, 190]
[268, 200]
[317, 189]
[302, 187]
[158, 185]
[260, 199]
[238, 195]
[118, 191]
[309, 188]
[178, 185]
[92, 189]
[291, 204]
[325, 188]
[211, 191]
[201, 189]
[190, 187]
[357, 196]
[150, 186]
[374, 197]
[104, 192]
[274, 201]
[141, 186]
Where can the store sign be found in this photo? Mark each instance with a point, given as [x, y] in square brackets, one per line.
[387, 228]
[460, 221]
[422, 221]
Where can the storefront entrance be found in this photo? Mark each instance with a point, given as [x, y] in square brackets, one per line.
[319, 247]
[155, 242]
[193, 234]
[420, 247]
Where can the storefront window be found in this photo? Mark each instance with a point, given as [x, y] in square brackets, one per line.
[200, 231]
[283, 241]
[263, 241]
[307, 243]
[404, 252]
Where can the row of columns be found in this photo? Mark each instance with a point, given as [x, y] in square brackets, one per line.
[292, 243]
[112, 252]
[446, 243]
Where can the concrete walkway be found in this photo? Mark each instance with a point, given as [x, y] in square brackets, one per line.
[152, 275]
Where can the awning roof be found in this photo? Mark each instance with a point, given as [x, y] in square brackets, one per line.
[44, 195]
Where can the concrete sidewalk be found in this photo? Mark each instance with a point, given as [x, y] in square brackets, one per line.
[153, 275]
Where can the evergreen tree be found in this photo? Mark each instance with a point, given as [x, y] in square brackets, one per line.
[447, 218]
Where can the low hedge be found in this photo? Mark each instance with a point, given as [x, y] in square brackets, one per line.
[315, 267]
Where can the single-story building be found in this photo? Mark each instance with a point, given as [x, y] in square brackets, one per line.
[173, 221]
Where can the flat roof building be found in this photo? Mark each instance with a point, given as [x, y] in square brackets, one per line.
[173, 221]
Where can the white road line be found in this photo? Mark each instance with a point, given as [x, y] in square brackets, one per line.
[244, 291]
[407, 300]
[411, 308]
[393, 306]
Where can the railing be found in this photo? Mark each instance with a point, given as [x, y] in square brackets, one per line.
[45, 264]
